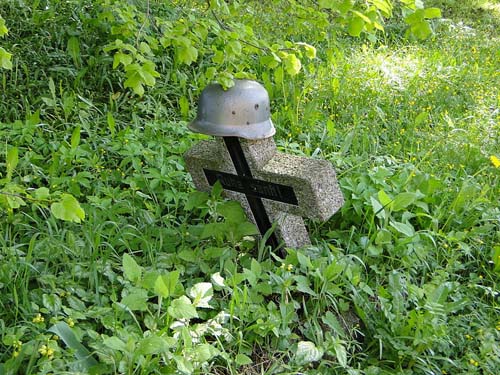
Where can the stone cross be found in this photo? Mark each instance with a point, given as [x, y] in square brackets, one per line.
[288, 187]
[272, 187]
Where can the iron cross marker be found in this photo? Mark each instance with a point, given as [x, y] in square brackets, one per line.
[271, 186]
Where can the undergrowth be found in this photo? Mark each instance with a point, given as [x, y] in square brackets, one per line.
[157, 278]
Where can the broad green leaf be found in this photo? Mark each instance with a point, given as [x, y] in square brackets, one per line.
[355, 27]
[217, 280]
[154, 345]
[213, 230]
[3, 27]
[65, 333]
[5, 59]
[378, 209]
[384, 6]
[384, 236]
[201, 294]
[148, 73]
[181, 308]
[432, 13]
[186, 53]
[246, 229]
[307, 352]
[12, 160]
[184, 365]
[204, 352]
[292, 64]
[364, 17]
[122, 58]
[242, 359]
[41, 193]
[415, 17]
[404, 228]
[52, 302]
[344, 6]
[145, 49]
[134, 79]
[384, 199]
[233, 48]
[309, 50]
[331, 321]
[131, 269]
[403, 200]
[196, 199]
[303, 285]
[136, 300]
[421, 30]
[115, 343]
[68, 209]
[14, 196]
[327, 4]
[340, 353]
[165, 285]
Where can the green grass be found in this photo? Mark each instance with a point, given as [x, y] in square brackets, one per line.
[403, 280]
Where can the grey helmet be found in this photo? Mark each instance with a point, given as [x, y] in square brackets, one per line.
[241, 111]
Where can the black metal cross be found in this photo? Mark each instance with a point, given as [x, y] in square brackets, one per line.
[254, 189]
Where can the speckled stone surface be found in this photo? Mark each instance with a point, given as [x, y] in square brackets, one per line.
[314, 183]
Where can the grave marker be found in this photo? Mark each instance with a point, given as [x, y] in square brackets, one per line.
[272, 186]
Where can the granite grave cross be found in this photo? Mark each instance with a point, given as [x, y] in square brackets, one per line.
[271, 186]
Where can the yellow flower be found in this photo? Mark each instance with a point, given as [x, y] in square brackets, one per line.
[495, 161]
[38, 318]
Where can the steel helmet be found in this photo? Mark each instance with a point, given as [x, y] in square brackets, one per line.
[241, 111]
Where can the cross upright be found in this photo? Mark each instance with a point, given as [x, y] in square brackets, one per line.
[273, 187]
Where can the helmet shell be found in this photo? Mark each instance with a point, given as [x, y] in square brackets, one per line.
[241, 111]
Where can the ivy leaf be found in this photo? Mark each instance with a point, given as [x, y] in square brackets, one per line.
[68, 209]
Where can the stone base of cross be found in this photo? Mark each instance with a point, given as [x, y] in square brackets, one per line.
[273, 187]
